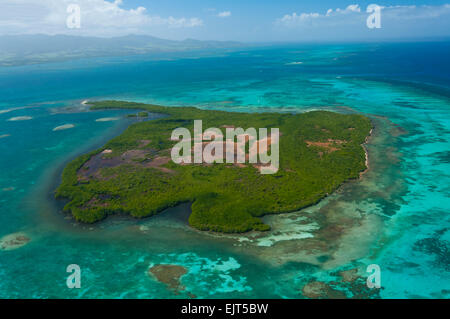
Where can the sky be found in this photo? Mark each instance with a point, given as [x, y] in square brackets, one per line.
[236, 20]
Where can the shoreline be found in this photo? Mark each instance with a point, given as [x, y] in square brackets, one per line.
[366, 152]
[50, 179]
[328, 229]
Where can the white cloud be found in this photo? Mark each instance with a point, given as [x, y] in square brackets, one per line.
[294, 18]
[98, 17]
[349, 9]
[353, 15]
[416, 12]
[353, 8]
[224, 14]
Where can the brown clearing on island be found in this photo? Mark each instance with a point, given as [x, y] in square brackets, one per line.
[234, 145]
[92, 168]
[329, 146]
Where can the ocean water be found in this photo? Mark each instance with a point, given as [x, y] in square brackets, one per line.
[395, 216]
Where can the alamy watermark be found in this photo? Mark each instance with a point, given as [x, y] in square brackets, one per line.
[374, 19]
[374, 279]
[211, 146]
[73, 20]
[74, 279]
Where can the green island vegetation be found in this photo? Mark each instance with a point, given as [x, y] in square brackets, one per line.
[139, 114]
[133, 173]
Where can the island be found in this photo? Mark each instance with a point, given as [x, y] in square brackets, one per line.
[133, 173]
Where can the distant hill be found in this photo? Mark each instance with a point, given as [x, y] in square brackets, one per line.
[29, 49]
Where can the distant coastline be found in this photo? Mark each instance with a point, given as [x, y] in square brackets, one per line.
[39, 48]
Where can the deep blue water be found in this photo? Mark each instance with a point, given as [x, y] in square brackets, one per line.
[406, 85]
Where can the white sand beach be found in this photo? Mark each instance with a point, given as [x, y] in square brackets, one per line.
[20, 118]
[63, 127]
[14, 241]
[107, 119]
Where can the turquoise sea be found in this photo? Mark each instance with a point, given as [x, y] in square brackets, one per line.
[395, 216]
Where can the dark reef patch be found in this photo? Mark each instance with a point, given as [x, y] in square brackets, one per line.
[169, 275]
[436, 247]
